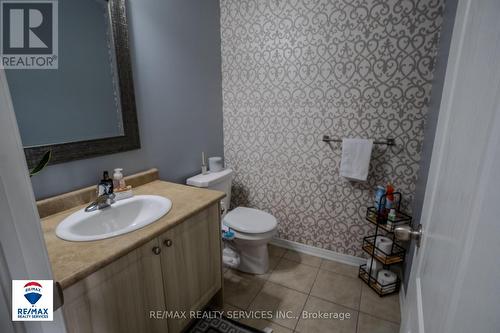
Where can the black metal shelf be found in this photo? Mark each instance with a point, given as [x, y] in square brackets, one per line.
[396, 255]
[380, 219]
[384, 226]
[381, 290]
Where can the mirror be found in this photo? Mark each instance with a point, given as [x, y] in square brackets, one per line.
[86, 107]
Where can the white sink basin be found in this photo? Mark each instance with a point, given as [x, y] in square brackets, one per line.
[122, 217]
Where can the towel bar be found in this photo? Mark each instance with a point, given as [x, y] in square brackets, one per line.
[388, 141]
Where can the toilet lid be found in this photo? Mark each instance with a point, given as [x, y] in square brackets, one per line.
[250, 220]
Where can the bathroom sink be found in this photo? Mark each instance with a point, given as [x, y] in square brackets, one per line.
[120, 218]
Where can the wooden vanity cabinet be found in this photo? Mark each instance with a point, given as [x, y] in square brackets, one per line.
[191, 264]
[178, 271]
[117, 297]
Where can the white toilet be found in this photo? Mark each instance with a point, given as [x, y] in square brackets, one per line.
[253, 228]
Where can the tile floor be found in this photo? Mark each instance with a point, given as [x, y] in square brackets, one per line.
[298, 282]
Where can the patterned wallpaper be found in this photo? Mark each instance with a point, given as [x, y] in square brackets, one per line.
[294, 70]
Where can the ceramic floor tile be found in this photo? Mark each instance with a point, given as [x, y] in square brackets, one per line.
[261, 324]
[229, 308]
[239, 289]
[302, 258]
[340, 289]
[370, 324]
[280, 300]
[341, 319]
[381, 307]
[276, 251]
[294, 275]
[340, 268]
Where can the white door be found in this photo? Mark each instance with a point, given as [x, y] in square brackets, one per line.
[455, 279]
[22, 248]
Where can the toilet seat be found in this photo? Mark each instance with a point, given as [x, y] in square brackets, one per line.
[254, 237]
[250, 221]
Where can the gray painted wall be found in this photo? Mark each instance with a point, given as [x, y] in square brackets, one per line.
[177, 74]
[431, 121]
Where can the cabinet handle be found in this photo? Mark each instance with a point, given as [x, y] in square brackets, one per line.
[167, 242]
[156, 250]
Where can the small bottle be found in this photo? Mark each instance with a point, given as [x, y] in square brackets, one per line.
[379, 193]
[392, 215]
[105, 185]
[118, 181]
[390, 196]
[204, 167]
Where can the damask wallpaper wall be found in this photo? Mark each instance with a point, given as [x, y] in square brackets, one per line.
[294, 70]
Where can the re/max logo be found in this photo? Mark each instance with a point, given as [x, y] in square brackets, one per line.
[168, 314]
[32, 300]
[32, 313]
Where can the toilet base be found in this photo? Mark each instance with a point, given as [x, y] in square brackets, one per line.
[254, 256]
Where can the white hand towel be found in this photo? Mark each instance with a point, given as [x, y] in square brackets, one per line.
[356, 154]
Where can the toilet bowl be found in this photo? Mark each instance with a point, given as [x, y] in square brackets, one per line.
[253, 230]
[252, 227]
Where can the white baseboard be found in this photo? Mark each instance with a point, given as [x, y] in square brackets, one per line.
[318, 252]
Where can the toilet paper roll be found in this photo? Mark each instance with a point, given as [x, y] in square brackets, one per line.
[230, 253]
[231, 262]
[375, 266]
[215, 164]
[230, 257]
[386, 277]
[384, 244]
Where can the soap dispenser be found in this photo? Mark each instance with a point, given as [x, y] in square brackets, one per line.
[118, 181]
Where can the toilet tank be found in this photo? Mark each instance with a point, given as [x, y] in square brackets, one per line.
[219, 181]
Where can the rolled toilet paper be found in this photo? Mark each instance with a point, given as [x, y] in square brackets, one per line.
[386, 277]
[230, 258]
[215, 164]
[228, 252]
[375, 266]
[231, 262]
[384, 244]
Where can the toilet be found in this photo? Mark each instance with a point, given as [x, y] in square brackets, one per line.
[253, 228]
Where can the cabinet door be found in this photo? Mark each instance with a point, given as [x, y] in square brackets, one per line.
[119, 297]
[191, 264]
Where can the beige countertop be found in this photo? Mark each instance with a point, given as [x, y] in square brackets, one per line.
[73, 261]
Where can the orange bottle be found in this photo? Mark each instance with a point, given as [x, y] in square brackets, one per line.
[389, 203]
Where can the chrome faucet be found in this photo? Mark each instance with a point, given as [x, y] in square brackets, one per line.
[102, 201]
[105, 195]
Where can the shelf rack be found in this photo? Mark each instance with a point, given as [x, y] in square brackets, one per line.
[397, 254]
[383, 227]
[381, 290]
